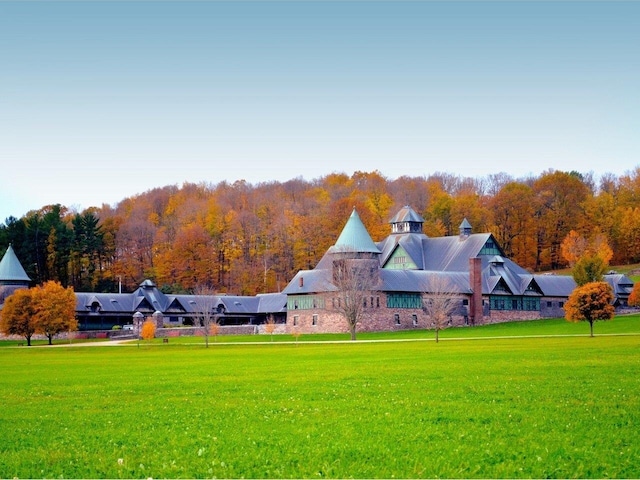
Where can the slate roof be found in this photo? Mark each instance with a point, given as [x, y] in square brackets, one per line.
[555, 285]
[148, 299]
[419, 280]
[11, 270]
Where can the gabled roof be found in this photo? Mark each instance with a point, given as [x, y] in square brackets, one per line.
[354, 237]
[453, 253]
[414, 244]
[11, 269]
[555, 285]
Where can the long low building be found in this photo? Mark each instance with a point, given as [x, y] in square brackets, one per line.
[100, 311]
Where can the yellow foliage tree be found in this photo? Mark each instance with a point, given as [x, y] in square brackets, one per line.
[590, 302]
[148, 331]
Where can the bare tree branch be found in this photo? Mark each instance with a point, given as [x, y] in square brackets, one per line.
[439, 301]
[354, 279]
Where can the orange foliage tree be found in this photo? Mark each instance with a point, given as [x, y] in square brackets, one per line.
[590, 302]
[634, 297]
[18, 315]
[54, 309]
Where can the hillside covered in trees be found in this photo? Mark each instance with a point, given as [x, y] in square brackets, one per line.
[246, 239]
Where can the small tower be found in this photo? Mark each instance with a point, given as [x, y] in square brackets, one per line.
[406, 221]
[465, 229]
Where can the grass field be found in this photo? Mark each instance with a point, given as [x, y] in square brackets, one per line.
[563, 406]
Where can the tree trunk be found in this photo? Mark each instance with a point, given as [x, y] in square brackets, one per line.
[591, 326]
[352, 331]
[437, 330]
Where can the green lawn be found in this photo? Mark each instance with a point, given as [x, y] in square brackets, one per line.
[562, 407]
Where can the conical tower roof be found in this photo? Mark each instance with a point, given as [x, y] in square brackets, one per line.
[354, 237]
[11, 270]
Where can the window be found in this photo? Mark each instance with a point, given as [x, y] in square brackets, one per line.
[465, 301]
[549, 304]
[396, 318]
[414, 319]
[304, 302]
[561, 304]
[404, 300]
[295, 320]
[314, 320]
[378, 302]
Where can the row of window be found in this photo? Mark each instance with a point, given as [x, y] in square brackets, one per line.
[515, 303]
[414, 301]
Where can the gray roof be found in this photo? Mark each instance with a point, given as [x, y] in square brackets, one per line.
[108, 302]
[419, 281]
[555, 285]
[354, 237]
[11, 269]
[272, 303]
[148, 299]
[406, 214]
[317, 280]
[621, 284]
[465, 225]
[447, 254]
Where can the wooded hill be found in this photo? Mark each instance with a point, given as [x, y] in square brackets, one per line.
[246, 239]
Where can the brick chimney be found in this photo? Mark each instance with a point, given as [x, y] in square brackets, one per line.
[475, 282]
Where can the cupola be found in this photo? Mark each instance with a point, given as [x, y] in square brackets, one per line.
[406, 221]
[465, 228]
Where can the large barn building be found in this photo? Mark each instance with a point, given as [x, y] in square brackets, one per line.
[488, 287]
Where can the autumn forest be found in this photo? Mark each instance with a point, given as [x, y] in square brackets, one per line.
[247, 239]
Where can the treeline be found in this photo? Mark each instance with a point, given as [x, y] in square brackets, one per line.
[246, 239]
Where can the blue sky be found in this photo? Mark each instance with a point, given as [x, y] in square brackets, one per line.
[104, 100]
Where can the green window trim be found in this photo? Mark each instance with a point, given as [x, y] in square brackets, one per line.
[404, 300]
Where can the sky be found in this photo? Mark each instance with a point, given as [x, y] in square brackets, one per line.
[100, 101]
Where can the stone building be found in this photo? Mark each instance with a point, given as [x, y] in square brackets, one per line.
[487, 286]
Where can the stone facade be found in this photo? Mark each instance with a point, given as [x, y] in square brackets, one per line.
[374, 319]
